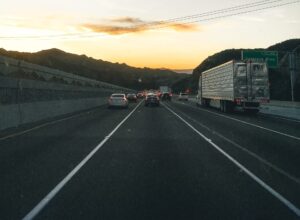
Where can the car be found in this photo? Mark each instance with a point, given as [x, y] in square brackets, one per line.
[140, 95]
[183, 96]
[131, 97]
[151, 99]
[118, 100]
[166, 96]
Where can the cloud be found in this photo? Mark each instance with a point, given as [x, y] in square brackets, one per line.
[184, 27]
[127, 20]
[124, 25]
[113, 29]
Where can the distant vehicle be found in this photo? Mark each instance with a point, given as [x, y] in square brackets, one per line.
[166, 96]
[165, 93]
[131, 97]
[235, 84]
[140, 95]
[183, 96]
[118, 100]
[164, 89]
[151, 99]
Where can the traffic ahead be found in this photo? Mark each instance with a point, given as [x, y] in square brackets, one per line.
[176, 161]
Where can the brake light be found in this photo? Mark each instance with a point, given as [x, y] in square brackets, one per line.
[238, 101]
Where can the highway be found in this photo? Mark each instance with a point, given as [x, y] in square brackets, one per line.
[176, 161]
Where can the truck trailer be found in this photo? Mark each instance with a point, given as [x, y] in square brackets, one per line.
[235, 84]
[165, 93]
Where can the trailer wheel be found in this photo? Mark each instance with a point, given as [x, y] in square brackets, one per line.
[229, 106]
[225, 108]
[222, 105]
[206, 102]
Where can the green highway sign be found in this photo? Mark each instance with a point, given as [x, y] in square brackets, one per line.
[271, 57]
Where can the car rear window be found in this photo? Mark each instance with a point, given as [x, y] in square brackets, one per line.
[118, 96]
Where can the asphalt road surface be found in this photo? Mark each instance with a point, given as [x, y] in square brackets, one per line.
[176, 161]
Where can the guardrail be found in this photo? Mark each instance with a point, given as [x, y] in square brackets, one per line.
[16, 91]
[24, 101]
[10, 66]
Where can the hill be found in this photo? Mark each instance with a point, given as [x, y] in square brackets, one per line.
[279, 78]
[115, 73]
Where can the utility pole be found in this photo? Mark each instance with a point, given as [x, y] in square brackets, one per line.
[292, 72]
[292, 67]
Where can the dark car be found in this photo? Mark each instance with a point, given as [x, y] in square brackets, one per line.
[166, 96]
[131, 97]
[152, 100]
[140, 95]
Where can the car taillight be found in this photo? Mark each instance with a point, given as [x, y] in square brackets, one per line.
[238, 101]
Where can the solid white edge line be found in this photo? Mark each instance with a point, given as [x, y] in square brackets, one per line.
[36, 210]
[277, 169]
[44, 125]
[247, 123]
[277, 195]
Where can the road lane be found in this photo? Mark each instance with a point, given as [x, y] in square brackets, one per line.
[41, 205]
[267, 187]
[277, 149]
[241, 142]
[280, 125]
[33, 163]
[154, 167]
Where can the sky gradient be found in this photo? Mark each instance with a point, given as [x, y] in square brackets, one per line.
[118, 30]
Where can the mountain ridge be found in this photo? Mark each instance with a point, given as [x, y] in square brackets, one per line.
[279, 78]
[116, 73]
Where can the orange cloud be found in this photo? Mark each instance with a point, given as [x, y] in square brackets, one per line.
[125, 25]
[127, 20]
[184, 27]
[113, 29]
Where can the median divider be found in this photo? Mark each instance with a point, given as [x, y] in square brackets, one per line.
[24, 101]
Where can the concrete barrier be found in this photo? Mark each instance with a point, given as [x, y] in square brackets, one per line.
[28, 101]
[15, 115]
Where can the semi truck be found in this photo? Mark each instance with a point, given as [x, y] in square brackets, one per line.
[235, 84]
[165, 93]
[164, 89]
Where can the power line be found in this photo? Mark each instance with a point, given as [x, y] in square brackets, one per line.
[233, 14]
[206, 16]
[225, 10]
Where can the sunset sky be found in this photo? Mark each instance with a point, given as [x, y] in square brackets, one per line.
[129, 30]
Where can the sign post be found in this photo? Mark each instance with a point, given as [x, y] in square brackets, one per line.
[270, 57]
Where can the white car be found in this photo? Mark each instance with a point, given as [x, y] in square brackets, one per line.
[183, 96]
[118, 100]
